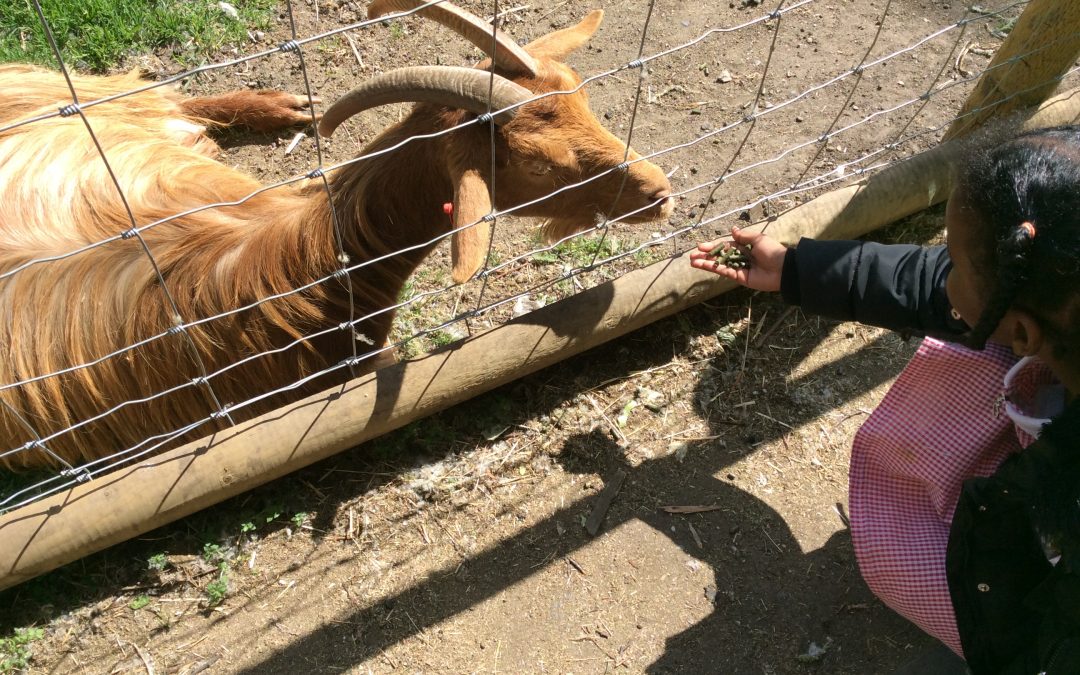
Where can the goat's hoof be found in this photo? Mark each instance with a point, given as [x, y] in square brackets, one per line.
[280, 110]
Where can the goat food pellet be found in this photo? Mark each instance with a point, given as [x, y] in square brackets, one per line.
[731, 257]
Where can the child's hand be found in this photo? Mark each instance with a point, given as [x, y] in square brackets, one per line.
[766, 260]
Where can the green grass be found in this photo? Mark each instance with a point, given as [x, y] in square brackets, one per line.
[15, 651]
[441, 338]
[579, 251]
[95, 35]
[157, 562]
[218, 590]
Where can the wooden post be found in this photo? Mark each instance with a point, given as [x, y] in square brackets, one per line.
[1042, 46]
[125, 503]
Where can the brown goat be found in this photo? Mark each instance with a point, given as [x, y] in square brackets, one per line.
[67, 314]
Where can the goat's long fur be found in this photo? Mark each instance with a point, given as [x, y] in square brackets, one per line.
[56, 197]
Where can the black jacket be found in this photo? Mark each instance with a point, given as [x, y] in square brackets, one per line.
[897, 286]
[1016, 613]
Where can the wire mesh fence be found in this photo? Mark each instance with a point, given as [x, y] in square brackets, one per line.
[748, 112]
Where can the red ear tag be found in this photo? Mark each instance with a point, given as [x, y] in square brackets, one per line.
[448, 208]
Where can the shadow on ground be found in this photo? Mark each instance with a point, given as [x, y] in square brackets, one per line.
[770, 599]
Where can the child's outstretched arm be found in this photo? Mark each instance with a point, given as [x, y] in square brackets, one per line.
[895, 286]
[766, 259]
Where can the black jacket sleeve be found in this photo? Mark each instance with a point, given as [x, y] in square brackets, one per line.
[898, 286]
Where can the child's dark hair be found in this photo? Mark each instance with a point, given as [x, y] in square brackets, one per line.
[1025, 193]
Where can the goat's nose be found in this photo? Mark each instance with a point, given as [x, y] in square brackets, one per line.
[664, 200]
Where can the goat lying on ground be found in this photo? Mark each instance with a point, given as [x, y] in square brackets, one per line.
[56, 197]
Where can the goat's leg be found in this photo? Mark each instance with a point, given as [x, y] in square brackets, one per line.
[259, 110]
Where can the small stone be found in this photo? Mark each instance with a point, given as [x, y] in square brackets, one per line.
[229, 10]
[710, 593]
[679, 449]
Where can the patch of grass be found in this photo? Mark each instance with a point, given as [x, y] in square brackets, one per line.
[440, 338]
[218, 589]
[579, 251]
[139, 602]
[15, 653]
[646, 256]
[266, 515]
[95, 35]
[213, 553]
[157, 562]
[415, 317]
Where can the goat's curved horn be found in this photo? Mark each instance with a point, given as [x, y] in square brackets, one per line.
[452, 86]
[508, 56]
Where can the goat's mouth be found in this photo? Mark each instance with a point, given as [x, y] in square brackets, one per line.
[660, 207]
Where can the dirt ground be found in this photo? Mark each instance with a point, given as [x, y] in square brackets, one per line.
[459, 544]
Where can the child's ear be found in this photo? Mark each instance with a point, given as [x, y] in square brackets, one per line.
[1023, 332]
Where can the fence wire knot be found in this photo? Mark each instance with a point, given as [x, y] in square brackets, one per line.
[129, 233]
[488, 218]
[776, 14]
[69, 109]
[485, 118]
[80, 473]
[199, 380]
[218, 414]
[33, 445]
[339, 273]
[636, 63]
[177, 329]
[316, 173]
[290, 46]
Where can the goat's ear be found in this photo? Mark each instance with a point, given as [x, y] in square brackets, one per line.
[469, 247]
[559, 44]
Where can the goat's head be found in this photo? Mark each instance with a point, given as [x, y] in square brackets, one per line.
[542, 142]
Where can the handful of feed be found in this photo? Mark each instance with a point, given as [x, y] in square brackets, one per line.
[730, 256]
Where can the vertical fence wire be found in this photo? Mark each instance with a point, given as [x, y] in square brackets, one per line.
[751, 118]
[625, 167]
[320, 174]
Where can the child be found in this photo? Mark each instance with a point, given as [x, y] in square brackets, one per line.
[965, 482]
